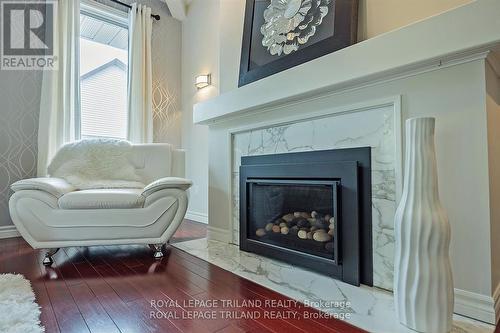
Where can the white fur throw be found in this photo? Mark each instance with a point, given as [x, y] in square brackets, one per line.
[96, 163]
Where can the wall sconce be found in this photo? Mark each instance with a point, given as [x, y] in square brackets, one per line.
[202, 81]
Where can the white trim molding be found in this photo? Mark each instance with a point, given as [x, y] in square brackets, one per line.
[8, 231]
[102, 11]
[178, 9]
[197, 216]
[230, 106]
[477, 306]
[315, 112]
[393, 101]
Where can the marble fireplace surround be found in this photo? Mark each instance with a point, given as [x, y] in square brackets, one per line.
[376, 124]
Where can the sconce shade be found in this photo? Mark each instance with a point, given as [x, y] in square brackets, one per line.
[202, 81]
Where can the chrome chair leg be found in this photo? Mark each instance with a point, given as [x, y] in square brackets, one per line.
[47, 261]
[157, 248]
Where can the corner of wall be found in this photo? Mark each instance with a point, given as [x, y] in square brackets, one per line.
[197, 216]
[219, 234]
[200, 55]
[496, 300]
[492, 78]
[477, 306]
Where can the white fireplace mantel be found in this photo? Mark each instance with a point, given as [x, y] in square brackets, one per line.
[455, 36]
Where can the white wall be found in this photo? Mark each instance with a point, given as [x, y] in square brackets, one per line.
[231, 32]
[379, 16]
[200, 55]
[219, 42]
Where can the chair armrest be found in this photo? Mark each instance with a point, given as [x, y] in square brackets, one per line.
[165, 183]
[55, 186]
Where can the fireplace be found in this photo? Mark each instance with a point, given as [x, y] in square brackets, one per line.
[311, 209]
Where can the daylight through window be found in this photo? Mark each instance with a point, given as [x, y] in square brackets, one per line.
[103, 78]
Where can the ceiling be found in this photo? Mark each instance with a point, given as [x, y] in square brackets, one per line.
[103, 32]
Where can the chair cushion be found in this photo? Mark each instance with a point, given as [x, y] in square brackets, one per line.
[102, 199]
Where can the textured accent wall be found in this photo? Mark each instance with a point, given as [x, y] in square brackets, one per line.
[19, 105]
[166, 49]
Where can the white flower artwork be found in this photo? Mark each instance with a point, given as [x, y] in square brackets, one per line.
[290, 23]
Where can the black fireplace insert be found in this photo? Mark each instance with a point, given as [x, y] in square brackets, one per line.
[311, 209]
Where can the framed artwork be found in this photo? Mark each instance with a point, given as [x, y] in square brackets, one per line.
[280, 34]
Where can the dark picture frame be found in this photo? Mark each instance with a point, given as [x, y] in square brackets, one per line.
[344, 34]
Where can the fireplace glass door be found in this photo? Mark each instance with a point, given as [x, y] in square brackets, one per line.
[300, 215]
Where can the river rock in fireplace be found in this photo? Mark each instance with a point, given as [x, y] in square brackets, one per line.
[303, 226]
[260, 232]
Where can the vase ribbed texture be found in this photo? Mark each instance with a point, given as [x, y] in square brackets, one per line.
[423, 285]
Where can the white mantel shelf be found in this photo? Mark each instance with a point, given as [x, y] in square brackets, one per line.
[442, 40]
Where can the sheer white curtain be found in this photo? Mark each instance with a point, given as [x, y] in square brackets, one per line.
[60, 100]
[140, 84]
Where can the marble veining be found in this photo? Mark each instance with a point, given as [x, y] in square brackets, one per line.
[373, 127]
[369, 308]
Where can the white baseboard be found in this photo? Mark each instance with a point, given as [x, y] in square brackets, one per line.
[8, 231]
[477, 306]
[198, 217]
[219, 234]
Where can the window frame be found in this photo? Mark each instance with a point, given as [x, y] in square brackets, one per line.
[104, 13]
[107, 14]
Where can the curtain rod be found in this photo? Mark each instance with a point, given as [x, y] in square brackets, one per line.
[155, 16]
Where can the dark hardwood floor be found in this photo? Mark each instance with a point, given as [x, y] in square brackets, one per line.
[123, 289]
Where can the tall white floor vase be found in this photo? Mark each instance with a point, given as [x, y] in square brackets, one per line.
[423, 285]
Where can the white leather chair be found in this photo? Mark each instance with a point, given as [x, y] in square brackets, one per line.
[49, 213]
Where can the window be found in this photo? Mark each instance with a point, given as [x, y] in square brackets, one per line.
[103, 73]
